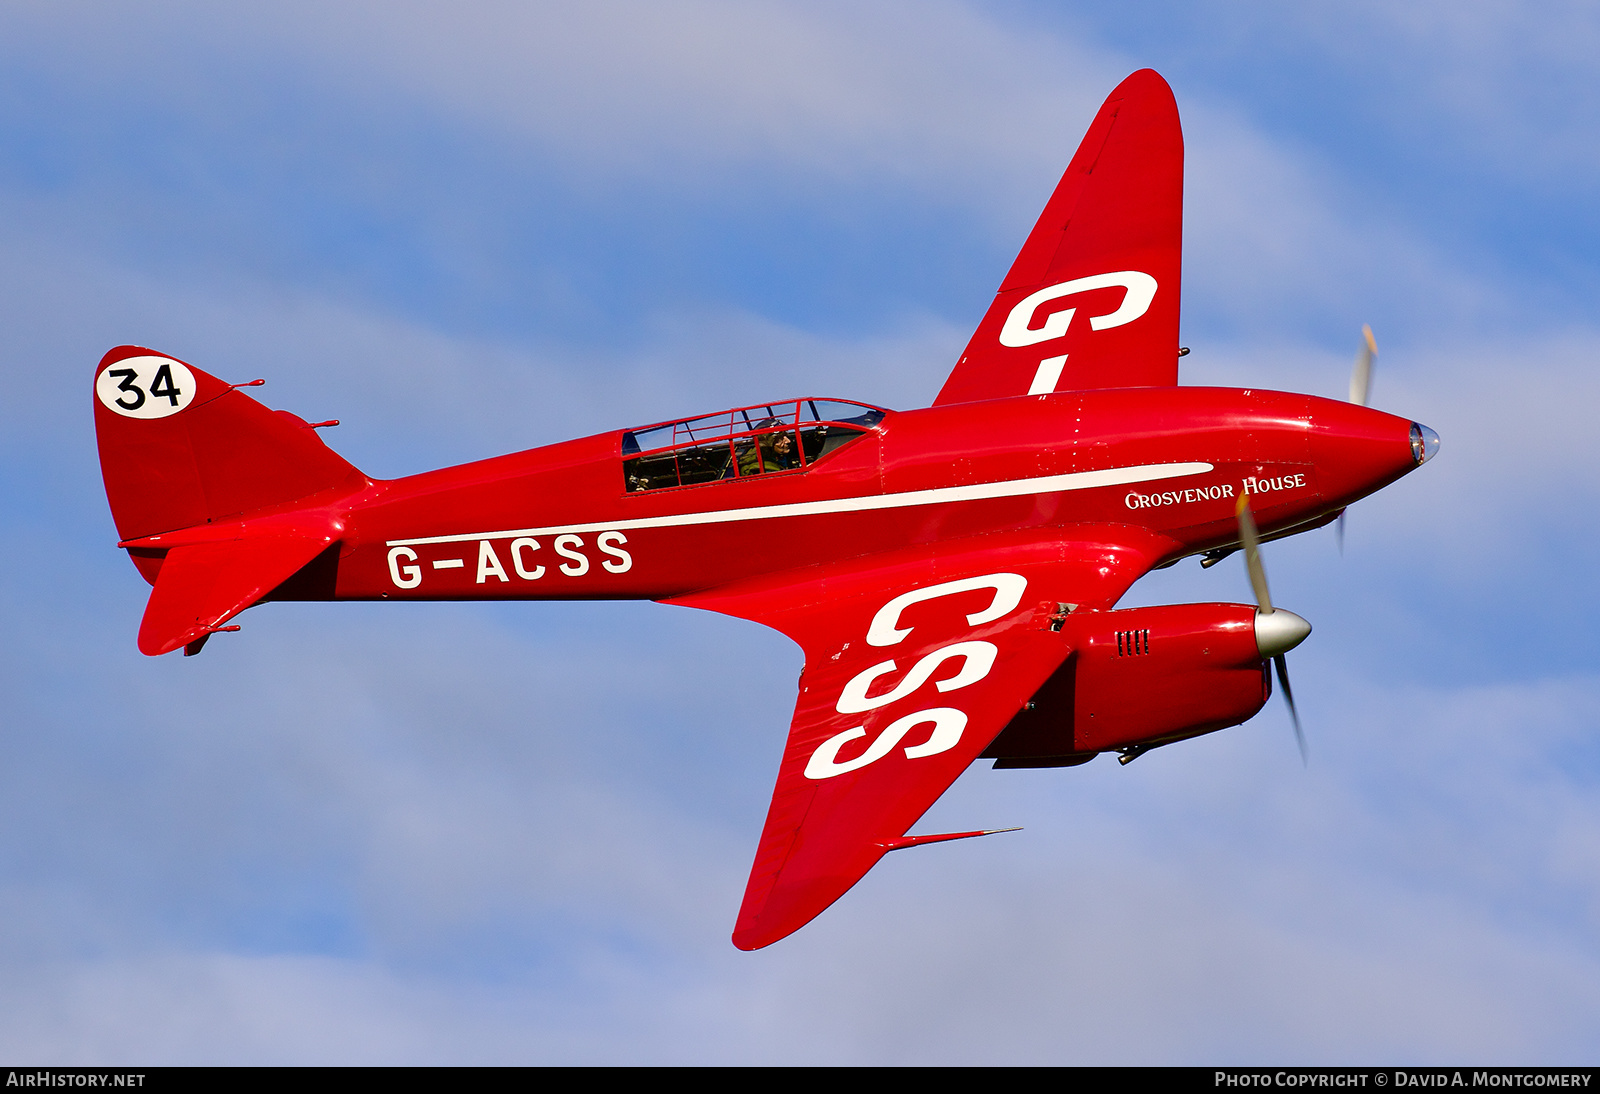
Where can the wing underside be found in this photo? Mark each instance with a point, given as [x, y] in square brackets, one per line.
[914, 663]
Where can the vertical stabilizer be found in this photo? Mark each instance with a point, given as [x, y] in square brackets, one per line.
[217, 498]
[178, 447]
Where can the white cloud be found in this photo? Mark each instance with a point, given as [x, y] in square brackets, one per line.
[937, 104]
[1503, 87]
[1212, 903]
[918, 91]
[1275, 240]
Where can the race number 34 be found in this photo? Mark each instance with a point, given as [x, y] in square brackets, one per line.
[145, 387]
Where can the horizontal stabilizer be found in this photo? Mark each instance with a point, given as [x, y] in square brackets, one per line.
[204, 584]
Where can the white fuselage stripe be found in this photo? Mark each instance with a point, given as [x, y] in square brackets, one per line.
[1048, 484]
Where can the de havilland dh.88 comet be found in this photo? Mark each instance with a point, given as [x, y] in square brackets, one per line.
[951, 573]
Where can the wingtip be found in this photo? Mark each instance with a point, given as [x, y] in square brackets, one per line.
[758, 935]
[158, 638]
[1143, 76]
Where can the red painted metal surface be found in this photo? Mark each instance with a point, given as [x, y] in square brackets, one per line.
[1111, 232]
[1140, 675]
[950, 572]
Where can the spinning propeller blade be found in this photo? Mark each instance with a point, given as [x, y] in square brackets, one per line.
[1277, 631]
[1250, 540]
[1360, 389]
[1361, 375]
[1281, 663]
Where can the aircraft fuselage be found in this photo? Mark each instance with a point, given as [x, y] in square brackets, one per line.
[557, 522]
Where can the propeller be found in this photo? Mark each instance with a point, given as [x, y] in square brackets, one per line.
[1277, 631]
[1361, 375]
[1360, 389]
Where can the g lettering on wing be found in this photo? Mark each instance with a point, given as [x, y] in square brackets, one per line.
[1019, 331]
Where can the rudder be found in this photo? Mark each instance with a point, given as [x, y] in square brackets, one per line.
[217, 498]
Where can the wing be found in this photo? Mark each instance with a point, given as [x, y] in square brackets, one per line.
[914, 663]
[1092, 299]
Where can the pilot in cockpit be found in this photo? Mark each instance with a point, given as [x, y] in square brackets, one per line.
[770, 452]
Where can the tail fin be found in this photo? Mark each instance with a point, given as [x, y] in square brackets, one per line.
[190, 465]
[1109, 244]
[178, 447]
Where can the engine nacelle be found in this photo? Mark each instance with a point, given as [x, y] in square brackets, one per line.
[1141, 676]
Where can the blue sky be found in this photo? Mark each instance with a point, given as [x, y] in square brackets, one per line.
[519, 832]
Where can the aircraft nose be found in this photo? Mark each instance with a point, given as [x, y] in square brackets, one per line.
[1424, 443]
[1358, 450]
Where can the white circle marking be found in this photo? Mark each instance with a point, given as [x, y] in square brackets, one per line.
[145, 387]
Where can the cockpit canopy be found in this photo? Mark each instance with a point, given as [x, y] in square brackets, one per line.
[751, 440]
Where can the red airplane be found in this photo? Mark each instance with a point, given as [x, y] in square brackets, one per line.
[951, 573]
